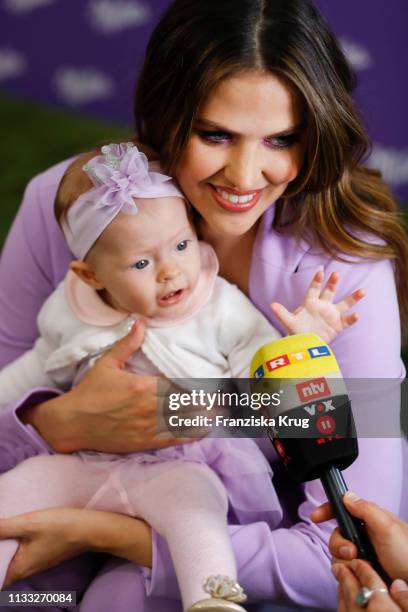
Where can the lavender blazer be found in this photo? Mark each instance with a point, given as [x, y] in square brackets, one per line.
[289, 564]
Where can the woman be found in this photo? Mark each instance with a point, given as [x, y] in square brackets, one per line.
[248, 105]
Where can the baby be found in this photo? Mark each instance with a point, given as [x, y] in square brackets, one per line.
[138, 258]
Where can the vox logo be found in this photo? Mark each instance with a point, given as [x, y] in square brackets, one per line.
[320, 407]
[313, 389]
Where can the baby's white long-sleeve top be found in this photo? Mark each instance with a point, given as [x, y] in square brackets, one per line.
[217, 341]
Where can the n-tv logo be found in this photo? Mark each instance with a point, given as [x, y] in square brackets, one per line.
[292, 358]
[313, 389]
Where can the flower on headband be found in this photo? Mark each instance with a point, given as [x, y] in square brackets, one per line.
[120, 174]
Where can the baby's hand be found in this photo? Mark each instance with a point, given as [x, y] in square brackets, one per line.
[318, 314]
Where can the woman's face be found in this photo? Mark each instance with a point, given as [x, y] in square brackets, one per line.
[246, 146]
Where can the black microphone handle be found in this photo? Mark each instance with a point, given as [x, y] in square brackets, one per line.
[351, 527]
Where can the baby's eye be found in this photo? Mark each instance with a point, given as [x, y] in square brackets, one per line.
[141, 264]
[182, 245]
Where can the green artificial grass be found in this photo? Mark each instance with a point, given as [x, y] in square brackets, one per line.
[33, 139]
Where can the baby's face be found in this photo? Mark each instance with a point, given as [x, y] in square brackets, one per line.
[148, 262]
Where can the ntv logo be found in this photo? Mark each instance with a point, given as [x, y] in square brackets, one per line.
[310, 389]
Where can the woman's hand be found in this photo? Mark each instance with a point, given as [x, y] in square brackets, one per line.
[110, 410]
[48, 537]
[360, 574]
[388, 535]
[318, 314]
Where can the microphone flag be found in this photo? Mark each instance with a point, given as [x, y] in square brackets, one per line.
[304, 370]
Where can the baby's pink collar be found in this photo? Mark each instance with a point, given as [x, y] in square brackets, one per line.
[89, 308]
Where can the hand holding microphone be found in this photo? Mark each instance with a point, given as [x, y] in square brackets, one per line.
[388, 534]
[305, 372]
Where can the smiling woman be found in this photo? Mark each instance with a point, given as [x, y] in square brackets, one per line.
[248, 103]
[245, 148]
[266, 96]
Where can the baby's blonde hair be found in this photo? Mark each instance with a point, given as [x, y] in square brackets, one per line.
[74, 183]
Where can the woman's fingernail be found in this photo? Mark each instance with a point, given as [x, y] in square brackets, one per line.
[399, 585]
[346, 552]
[351, 496]
[336, 569]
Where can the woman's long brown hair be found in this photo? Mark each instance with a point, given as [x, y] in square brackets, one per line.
[342, 206]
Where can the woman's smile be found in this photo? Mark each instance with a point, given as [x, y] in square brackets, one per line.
[233, 200]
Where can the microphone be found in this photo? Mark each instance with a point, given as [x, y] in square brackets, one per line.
[313, 433]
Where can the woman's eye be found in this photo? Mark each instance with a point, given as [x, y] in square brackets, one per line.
[141, 264]
[213, 136]
[182, 245]
[282, 142]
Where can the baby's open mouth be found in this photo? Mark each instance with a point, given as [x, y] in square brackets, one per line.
[171, 298]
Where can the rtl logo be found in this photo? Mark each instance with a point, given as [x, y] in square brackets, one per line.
[293, 358]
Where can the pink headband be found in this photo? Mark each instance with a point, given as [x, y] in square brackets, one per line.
[120, 174]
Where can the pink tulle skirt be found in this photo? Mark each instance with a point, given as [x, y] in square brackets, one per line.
[238, 462]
